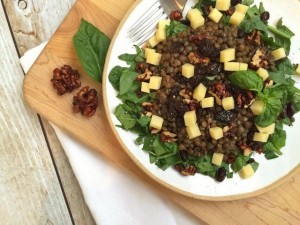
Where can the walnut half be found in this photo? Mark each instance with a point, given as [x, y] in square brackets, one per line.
[85, 101]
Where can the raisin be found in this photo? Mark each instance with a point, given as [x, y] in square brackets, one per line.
[241, 34]
[220, 174]
[265, 16]
[290, 109]
[183, 155]
[251, 160]
[226, 116]
[181, 108]
[235, 2]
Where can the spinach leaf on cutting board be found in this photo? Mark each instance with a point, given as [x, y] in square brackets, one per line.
[91, 46]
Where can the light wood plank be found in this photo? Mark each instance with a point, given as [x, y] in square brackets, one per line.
[29, 188]
[25, 39]
[280, 204]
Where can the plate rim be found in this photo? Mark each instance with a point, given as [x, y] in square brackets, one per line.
[257, 192]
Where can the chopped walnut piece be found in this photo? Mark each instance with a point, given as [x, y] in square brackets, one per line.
[219, 90]
[197, 38]
[65, 79]
[85, 101]
[186, 171]
[259, 59]
[175, 15]
[186, 94]
[245, 99]
[194, 58]
[167, 136]
[144, 76]
[254, 37]
[190, 170]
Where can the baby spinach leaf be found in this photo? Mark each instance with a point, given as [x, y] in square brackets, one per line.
[282, 35]
[247, 2]
[126, 80]
[124, 117]
[133, 59]
[115, 75]
[175, 27]
[272, 98]
[91, 46]
[252, 21]
[247, 80]
[274, 144]
[240, 161]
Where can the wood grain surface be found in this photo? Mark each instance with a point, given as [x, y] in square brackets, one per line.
[30, 25]
[279, 206]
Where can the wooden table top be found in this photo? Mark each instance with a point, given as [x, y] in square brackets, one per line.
[37, 185]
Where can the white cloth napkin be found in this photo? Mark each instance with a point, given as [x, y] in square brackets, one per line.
[112, 196]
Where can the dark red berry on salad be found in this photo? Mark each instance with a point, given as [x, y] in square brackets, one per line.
[265, 16]
[221, 174]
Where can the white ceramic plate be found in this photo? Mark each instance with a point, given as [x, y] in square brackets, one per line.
[270, 172]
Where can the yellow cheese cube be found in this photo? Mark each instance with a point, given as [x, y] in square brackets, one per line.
[207, 102]
[153, 41]
[222, 5]
[298, 70]
[278, 54]
[215, 15]
[227, 55]
[263, 73]
[216, 132]
[228, 103]
[161, 35]
[163, 23]
[190, 118]
[193, 12]
[267, 130]
[193, 131]
[156, 122]
[235, 66]
[241, 8]
[260, 137]
[187, 70]
[236, 18]
[153, 58]
[155, 82]
[195, 18]
[246, 171]
[199, 92]
[145, 87]
[217, 158]
[257, 107]
[147, 50]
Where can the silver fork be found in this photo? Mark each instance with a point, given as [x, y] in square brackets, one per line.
[145, 26]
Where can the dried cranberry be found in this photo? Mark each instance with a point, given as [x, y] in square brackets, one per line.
[220, 174]
[265, 16]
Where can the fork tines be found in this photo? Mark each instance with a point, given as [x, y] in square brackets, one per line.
[145, 25]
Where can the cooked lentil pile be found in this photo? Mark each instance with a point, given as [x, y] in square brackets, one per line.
[201, 47]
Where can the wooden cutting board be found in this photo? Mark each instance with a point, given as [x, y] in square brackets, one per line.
[281, 205]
